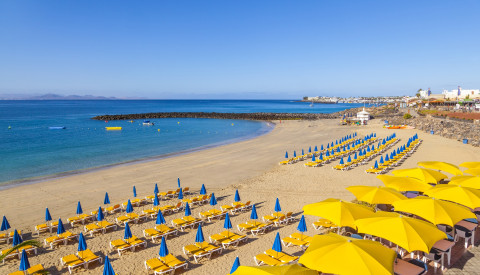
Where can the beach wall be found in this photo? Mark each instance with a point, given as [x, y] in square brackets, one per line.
[247, 116]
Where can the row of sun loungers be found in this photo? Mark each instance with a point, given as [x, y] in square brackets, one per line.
[129, 244]
[201, 250]
[399, 158]
[80, 259]
[60, 239]
[99, 227]
[227, 239]
[159, 231]
[165, 265]
[17, 254]
[36, 269]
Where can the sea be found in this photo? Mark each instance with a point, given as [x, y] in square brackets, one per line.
[31, 151]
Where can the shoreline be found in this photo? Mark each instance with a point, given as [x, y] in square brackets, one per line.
[39, 179]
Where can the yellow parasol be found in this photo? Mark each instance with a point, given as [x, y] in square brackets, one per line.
[470, 164]
[434, 211]
[339, 212]
[442, 166]
[468, 197]
[409, 233]
[466, 181]
[294, 269]
[376, 194]
[332, 253]
[403, 184]
[423, 174]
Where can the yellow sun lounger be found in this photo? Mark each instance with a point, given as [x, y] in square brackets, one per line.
[289, 241]
[87, 256]
[267, 260]
[113, 209]
[158, 267]
[173, 262]
[281, 256]
[72, 262]
[155, 233]
[197, 253]
[120, 245]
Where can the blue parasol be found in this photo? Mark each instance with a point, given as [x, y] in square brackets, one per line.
[107, 199]
[236, 264]
[341, 161]
[100, 216]
[60, 228]
[156, 189]
[48, 217]
[134, 192]
[277, 206]
[188, 212]
[199, 237]
[178, 182]
[180, 194]
[155, 200]
[16, 238]
[129, 207]
[107, 268]
[5, 224]
[286, 154]
[127, 233]
[213, 200]
[302, 225]
[203, 190]
[160, 218]
[79, 208]
[24, 264]
[277, 244]
[163, 248]
[237, 196]
[82, 244]
[253, 214]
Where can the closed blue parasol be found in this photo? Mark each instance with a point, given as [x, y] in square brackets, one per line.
[213, 200]
[60, 228]
[134, 192]
[5, 224]
[16, 238]
[277, 206]
[328, 145]
[303, 152]
[82, 244]
[156, 189]
[286, 154]
[321, 156]
[127, 234]
[277, 244]
[100, 216]
[180, 194]
[313, 157]
[129, 207]
[236, 264]
[387, 158]
[381, 160]
[253, 214]
[349, 159]
[155, 200]
[178, 182]
[376, 165]
[341, 161]
[107, 199]
[302, 225]
[294, 154]
[227, 224]
[79, 208]
[24, 264]
[237, 196]
[199, 237]
[160, 218]
[321, 147]
[203, 190]
[315, 148]
[107, 267]
[355, 156]
[48, 217]
[310, 149]
[163, 248]
[188, 212]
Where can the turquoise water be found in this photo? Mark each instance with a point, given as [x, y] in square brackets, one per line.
[29, 149]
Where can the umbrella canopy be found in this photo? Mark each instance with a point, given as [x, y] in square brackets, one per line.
[468, 197]
[129, 208]
[16, 238]
[24, 264]
[127, 234]
[178, 182]
[423, 174]
[156, 189]
[376, 194]
[435, 211]
[48, 217]
[315, 148]
[199, 237]
[339, 212]
[235, 265]
[203, 190]
[82, 244]
[106, 200]
[302, 225]
[470, 164]
[107, 268]
[5, 224]
[341, 161]
[473, 171]
[213, 200]
[237, 196]
[79, 208]
[134, 192]
[442, 166]
[466, 181]
[160, 218]
[293, 269]
[403, 184]
[409, 233]
[277, 244]
[329, 253]
[100, 216]
[155, 200]
[188, 212]
[313, 157]
[294, 154]
[277, 206]
[286, 154]
[163, 248]
[180, 194]
[253, 214]
[227, 224]
[60, 228]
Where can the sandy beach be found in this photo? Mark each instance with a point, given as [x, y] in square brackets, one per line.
[250, 166]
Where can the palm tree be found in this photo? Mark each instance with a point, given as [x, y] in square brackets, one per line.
[19, 246]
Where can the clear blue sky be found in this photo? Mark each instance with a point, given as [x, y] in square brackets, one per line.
[238, 49]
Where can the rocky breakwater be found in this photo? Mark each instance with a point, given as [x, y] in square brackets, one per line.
[245, 116]
[445, 127]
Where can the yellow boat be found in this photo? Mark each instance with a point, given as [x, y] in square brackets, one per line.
[113, 128]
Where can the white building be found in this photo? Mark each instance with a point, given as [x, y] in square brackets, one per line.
[363, 116]
[461, 93]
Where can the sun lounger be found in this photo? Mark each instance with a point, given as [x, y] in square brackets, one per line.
[158, 267]
[93, 228]
[95, 212]
[113, 209]
[158, 232]
[72, 262]
[227, 239]
[88, 257]
[323, 223]
[120, 245]
[201, 250]
[289, 241]
[13, 255]
[281, 256]
[36, 269]
[212, 214]
[59, 239]
[136, 242]
[80, 219]
[106, 226]
[4, 237]
[173, 262]
[186, 191]
[178, 207]
[42, 228]
[226, 207]
[267, 260]
[192, 220]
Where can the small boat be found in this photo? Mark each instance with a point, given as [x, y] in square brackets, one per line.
[57, 127]
[113, 128]
[148, 123]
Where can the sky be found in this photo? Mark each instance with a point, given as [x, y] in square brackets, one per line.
[261, 49]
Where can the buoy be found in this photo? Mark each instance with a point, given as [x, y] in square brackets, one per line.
[158, 130]
[178, 122]
[9, 127]
[232, 124]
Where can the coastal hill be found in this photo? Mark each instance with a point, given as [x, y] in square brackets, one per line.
[52, 97]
